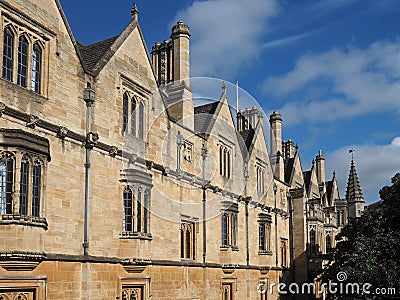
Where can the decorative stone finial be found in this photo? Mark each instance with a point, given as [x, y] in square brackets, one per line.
[180, 29]
[134, 12]
[223, 87]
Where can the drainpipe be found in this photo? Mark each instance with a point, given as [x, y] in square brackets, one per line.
[292, 260]
[276, 227]
[204, 153]
[179, 142]
[246, 191]
[91, 139]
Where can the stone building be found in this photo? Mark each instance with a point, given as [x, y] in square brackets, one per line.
[115, 186]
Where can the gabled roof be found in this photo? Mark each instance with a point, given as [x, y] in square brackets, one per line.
[307, 179]
[203, 116]
[353, 190]
[288, 169]
[92, 54]
[248, 137]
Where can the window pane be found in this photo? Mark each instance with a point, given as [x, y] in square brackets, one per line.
[182, 242]
[36, 189]
[124, 112]
[6, 182]
[261, 243]
[23, 195]
[8, 54]
[128, 209]
[22, 61]
[139, 212]
[224, 230]
[141, 120]
[36, 68]
[133, 116]
[188, 243]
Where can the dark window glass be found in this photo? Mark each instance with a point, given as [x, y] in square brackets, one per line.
[36, 68]
[6, 184]
[23, 194]
[124, 112]
[139, 211]
[328, 244]
[128, 222]
[224, 230]
[261, 234]
[312, 241]
[22, 61]
[8, 54]
[182, 243]
[133, 116]
[188, 243]
[37, 170]
[141, 121]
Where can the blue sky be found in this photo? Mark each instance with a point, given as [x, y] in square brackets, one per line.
[331, 67]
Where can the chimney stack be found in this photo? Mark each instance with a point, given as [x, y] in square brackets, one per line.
[275, 121]
[181, 51]
[320, 160]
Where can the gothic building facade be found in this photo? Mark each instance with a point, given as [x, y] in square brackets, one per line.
[114, 185]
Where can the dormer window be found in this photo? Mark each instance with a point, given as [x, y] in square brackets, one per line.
[225, 159]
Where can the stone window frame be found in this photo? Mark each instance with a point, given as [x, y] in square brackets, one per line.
[231, 282]
[284, 251]
[265, 223]
[229, 233]
[129, 283]
[138, 205]
[36, 286]
[17, 145]
[225, 160]
[34, 37]
[188, 240]
[136, 114]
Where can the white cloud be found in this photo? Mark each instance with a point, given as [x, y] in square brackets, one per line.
[375, 164]
[356, 81]
[226, 33]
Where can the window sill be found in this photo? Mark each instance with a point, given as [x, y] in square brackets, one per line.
[225, 248]
[269, 253]
[23, 220]
[135, 235]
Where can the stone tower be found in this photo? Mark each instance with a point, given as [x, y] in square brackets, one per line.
[354, 196]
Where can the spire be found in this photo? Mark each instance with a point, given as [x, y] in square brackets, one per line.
[134, 12]
[353, 190]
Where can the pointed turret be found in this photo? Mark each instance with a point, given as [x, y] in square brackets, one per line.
[354, 195]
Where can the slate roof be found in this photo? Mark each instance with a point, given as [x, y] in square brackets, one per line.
[248, 136]
[203, 115]
[329, 190]
[93, 53]
[307, 179]
[288, 168]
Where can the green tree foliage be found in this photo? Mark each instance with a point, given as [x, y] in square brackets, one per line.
[368, 250]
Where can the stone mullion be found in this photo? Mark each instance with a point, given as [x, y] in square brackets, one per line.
[16, 183]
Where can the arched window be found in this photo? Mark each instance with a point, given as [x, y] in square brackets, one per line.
[225, 227]
[22, 60]
[124, 112]
[36, 68]
[139, 211]
[328, 244]
[23, 194]
[225, 156]
[6, 184]
[37, 170]
[133, 116]
[8, 54]
[141, 120]
[188, 242]
[128, 209]
[312, 241]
